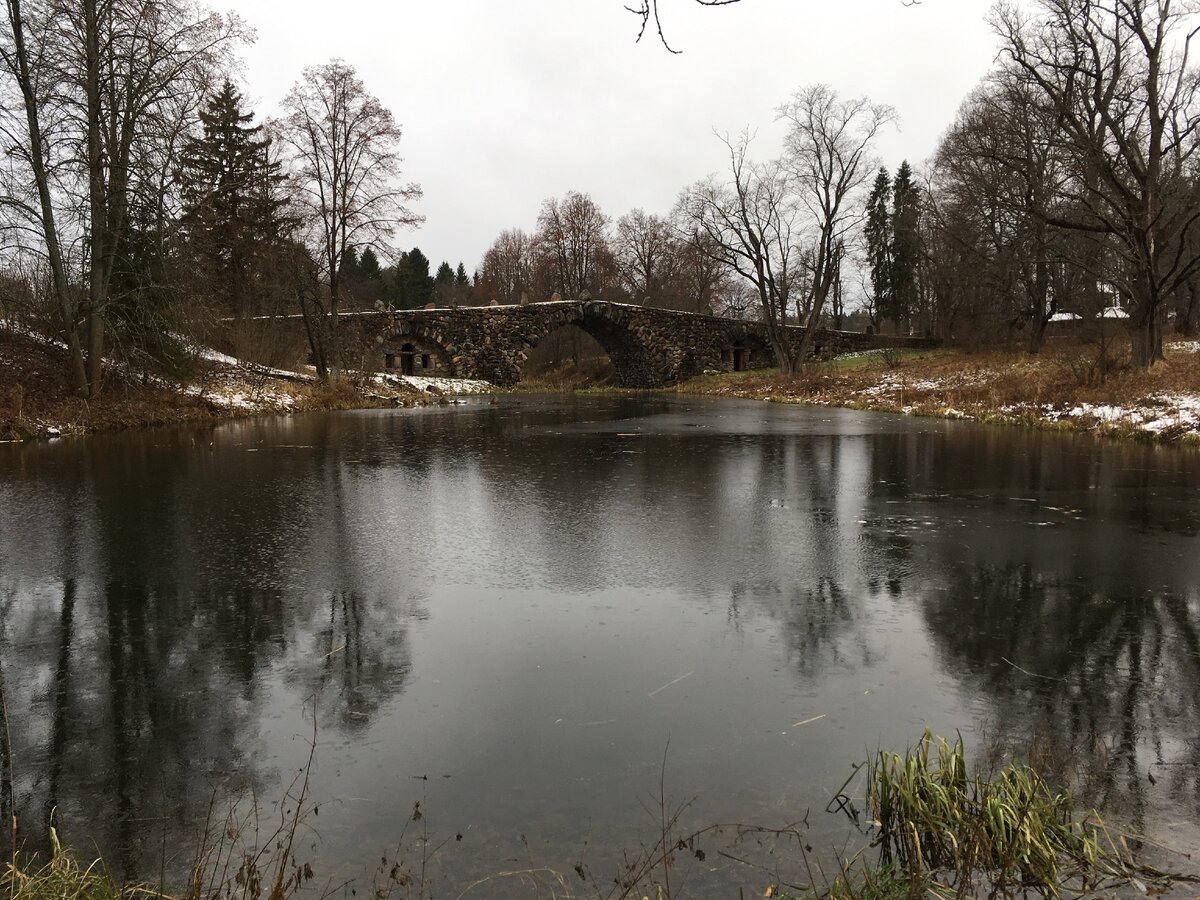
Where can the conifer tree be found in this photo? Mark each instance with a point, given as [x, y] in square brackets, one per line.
[905, 244]
[460, 276]
[413, 286]
[232, 211]
[368, 264]
[879, 242]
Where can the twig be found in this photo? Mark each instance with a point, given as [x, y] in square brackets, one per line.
[1027, 672]
[810, 721]
[674, 681]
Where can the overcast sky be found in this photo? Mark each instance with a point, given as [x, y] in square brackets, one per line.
[506, 102]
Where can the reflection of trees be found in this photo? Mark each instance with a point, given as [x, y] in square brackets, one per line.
[358, 657]
[1113, 670]
[145, 659]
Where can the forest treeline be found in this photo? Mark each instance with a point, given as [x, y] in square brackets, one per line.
[143, 210]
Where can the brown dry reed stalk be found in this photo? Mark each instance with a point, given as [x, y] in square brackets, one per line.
[10, 778]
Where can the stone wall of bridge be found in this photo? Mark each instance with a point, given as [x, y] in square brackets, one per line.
[648, 347]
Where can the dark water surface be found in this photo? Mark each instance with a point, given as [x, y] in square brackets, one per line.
[531, 603]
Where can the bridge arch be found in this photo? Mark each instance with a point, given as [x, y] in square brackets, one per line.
[636, 362]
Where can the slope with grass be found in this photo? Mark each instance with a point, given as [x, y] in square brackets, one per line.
[1067, 387]
[36, 398]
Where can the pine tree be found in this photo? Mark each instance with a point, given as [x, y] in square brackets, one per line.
[444, 276]
[460, 276]
[232, 212]
[413, 286]
[879, 243]
[905, 244]
[368, 264]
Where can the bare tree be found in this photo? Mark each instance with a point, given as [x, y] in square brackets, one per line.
[999, 160]
[645, 252]
[31, 147]
[827, 153]
[506, 272]
[345, 163]
[107, 88]
[572, 242]
[1117, 78]
[701, 282]
[751, 222]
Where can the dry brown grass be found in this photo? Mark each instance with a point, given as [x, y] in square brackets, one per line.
[990, 386]
[35, 395]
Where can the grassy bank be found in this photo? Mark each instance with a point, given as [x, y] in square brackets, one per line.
[1065, 387]
[927, 826]
[36, 399]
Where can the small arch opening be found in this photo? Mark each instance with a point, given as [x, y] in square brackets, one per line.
[745, 354]
[409, 354]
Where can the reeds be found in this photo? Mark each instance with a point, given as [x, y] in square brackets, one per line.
[63, 879]
[1010, 834]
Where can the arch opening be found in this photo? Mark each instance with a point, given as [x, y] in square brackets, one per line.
[567, 355]
[746, 354]
[635, 362]
[414, 355]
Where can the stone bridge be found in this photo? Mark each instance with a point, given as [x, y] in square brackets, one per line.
[648, 347]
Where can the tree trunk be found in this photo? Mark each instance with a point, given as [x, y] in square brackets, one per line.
[67, 308]
[810, 330]
[785, 355]
[1145, 341]
[98, 224]
[1186, 323]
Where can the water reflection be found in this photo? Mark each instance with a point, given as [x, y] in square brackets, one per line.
[533, 598]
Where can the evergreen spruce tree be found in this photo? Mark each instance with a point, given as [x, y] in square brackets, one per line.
[879, 243]
[368, 265]
[460, 276]
[445, 291]
[232, 212]
[906, 248]
[413, 287]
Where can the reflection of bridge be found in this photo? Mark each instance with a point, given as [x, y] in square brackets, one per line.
[648, 347]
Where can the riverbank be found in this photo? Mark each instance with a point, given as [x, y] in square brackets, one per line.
[1061, 388]
[36, 400]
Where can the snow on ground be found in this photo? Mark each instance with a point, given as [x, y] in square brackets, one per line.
[24, 330]
[1184, 346]
[437, 385]
[894, 383]
[1165, 414]
[234, 394]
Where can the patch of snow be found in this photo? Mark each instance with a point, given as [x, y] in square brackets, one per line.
[18, 328]
[1184, 346]
[861, 354]
[437, 385]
